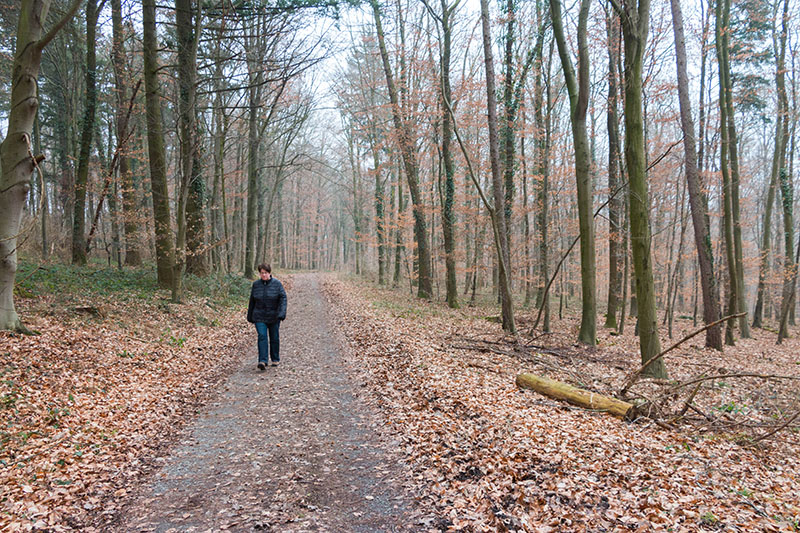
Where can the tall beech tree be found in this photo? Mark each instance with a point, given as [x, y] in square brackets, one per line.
[129, 193]
[635, 25]
[615, 205]
[79, 252]
[189, 209]
[157, 156]
[501, 237]
[445, 93]
[542, 112]
[697, 201]
[578, 90]
[729, 167]
[784, 176]
[16, 158]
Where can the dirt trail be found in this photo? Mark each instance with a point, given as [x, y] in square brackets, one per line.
[287, 449]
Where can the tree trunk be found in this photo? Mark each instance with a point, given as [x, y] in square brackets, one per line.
[129, 197]
[702, 235]
[635, 23]
[543, 128]
[380, 230]
[785, 178]
[506, 301]
[733, 149]
[16, 159]
[578, 90]
[165, 246]
[407, 141]
[575, 396]
[252, 170]
[81, 180]
[43, 192]
[727, 184]
[187, 130]
[448, 214]
[398, 242]
[615, 205]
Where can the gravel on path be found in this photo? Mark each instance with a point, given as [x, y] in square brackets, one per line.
[290, 448]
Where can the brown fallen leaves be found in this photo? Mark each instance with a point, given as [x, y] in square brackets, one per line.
[496, 458]
[84, 404]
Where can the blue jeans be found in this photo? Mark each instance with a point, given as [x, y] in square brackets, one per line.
[269, 343]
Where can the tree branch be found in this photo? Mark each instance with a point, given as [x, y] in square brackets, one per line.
[634, 375]
[60, 24]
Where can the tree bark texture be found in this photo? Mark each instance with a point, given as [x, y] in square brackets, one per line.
[127, 185]
[614, 178]
[448, 213]
[720, 29]
[786, 181]
[580, 397]
[193, 187]
[79, 251]
[252, 168]
[506, 300]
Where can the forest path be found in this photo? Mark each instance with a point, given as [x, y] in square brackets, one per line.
[287, 449]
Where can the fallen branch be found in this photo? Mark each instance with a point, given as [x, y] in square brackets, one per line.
[581, 398]
[725, 376]
[633, 376]
[777, 429]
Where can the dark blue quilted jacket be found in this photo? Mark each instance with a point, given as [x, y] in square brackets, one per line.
[267, 301]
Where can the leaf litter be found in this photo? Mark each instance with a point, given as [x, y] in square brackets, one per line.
[85, 404]
[88, 404]
[492, 457]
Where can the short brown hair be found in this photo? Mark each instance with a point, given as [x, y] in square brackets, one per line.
[265, 266]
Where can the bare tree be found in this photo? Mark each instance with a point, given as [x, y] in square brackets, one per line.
[406, 139]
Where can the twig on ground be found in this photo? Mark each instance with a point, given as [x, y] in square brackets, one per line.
[777, 429]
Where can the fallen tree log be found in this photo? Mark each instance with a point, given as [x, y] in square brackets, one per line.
[582, 398]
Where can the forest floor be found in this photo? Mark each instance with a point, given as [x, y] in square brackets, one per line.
[493, 457]
[128, 413]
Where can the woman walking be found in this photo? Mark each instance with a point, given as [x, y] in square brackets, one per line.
[266, 310]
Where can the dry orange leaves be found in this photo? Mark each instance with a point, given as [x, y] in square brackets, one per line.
[492, 457]
[84, 404]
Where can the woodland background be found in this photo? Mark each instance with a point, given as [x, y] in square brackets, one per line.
[276, 138]
[595, 170]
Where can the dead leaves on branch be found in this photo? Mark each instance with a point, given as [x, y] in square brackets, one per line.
[492, 457]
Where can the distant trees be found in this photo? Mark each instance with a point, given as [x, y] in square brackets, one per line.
[234, 152]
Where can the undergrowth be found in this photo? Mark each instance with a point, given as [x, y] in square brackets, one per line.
[96, 280]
